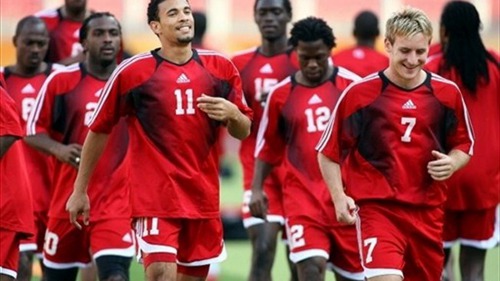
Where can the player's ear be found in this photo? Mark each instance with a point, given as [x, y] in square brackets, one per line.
[155, 27]
[387, 45]
[14, 39]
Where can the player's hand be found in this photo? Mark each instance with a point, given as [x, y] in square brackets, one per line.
[78, 205]
[258, 204]
[217, 108]
[69, 154]
[442, 168]
[345, 209]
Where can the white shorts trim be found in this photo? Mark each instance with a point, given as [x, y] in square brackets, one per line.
[150, 248]
[124, 252]
[248, 222]
[374, 272]
[222, 256]
[28, 247]
[8, 272]
[56, 265]
[303, 255]
[347, 274]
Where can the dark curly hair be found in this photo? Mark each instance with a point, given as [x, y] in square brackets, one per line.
[312, 29]
[85, 25]
[286, 4]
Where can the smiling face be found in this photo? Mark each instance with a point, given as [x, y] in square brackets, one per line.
[31, 45]
[407, 57]
[271, 18]
[103, 40]
[313, 59]
[176, 24]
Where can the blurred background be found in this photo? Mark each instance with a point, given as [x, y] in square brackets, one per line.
[230, 27]
[230, 22]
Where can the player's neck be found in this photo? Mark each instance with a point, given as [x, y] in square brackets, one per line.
[78, 16]
[176, 54]
[97, 69]
[397, 79]
[366, 43]
[271, 48]
[28, 71]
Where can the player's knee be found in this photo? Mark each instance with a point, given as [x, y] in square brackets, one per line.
[113, 268]
[161, 271]
[312, 268]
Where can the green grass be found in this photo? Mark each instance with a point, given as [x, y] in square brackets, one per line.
[237, 265]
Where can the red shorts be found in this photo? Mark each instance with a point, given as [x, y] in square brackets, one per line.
[66, 246]
[475, 228]
[9, 252]
[189, 242]
[402, 240]
[337, 244]
[35, 242]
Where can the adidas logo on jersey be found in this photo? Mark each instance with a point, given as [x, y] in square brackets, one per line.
[266, 69]
[314, 100]
[183, 79]
[409, 105]
[28, 89]
[127, 238]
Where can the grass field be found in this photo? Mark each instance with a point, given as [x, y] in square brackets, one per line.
[237, 266]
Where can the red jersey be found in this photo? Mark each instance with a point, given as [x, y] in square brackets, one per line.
[16, 209]
[64, 35]
[361, 60]
[383, 135]
[24, 90]
[259, 74]
[476, 185]
[292, 124]
[173, 144]
[63, 110]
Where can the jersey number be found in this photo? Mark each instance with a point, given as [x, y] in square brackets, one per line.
[180, 109]
[410, 121]
[370, 243]
[90, 107]
[149, 229]
[262, 88]
[297, 236]
[27, 106]
[51, 241]
[317, 120]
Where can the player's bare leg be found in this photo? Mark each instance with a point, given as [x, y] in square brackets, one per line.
[294, 276]
[263, 238]
[472, 263]
[89, 273]
[25, 268]
[386, 278]
[6, 278]
[312, 269]
[161, 271]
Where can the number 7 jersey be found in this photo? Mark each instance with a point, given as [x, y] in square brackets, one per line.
[383, 135]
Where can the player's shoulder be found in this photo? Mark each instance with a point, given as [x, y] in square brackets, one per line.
[439, 82]
[136, 63]
[347, 74]
[212, 55]
[47, 13]
[56, 66]
[66, 73]
[283, 87]
[246, 53]
[370, 81]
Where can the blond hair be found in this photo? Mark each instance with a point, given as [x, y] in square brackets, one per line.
[407, 23]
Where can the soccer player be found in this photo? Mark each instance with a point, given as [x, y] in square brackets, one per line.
[23, 81]
[398, 135]
[175, 99]
[16, 208]
[64, 24]
[296, 114]
[471, 216]
[261, 68]
[363, 59]
[58, 125]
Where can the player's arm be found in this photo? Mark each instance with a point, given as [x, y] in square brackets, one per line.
[446, 164]
[259, 203]
[223, 110]
[69, 154]
[344, 205]
[5, 143]
[78, 202]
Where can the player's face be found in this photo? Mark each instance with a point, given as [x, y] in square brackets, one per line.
[103, 40]
[407, 57]
[31, 45]
[271, 18]
[176, 23]
[313, 59]
[76, 6]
